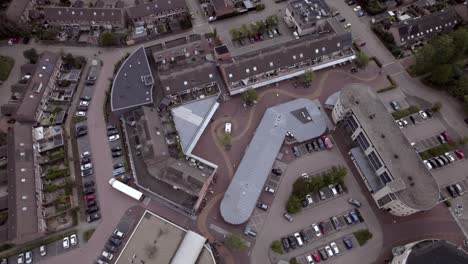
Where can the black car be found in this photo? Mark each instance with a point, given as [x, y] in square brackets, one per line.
[347, 219]
[315, 145]
[292, 241]
[428, 113]
[304, 203]
[89, 191]
[321, 144]
[433, 163]
[323, 254]
[115, 241]
[277, 171]
[85, 161]
[452, 191]
[92, 209]
[112, 132]
[83, 108]
[87, 173]
[110, 248]
[412, 119]
[285, 243]
[116, 154]
[93, 217]
[304, 236]
[26, 40]
[91, 203]
[81, 133]
[111, 127]
[339, 188]
[118, 165]
[116, 148]
[85, 98]
[89, 184]
[81, 128]
[309, 147]
[296, 151]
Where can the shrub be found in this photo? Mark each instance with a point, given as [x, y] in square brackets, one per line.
[436, 107]
[294, 204]
[438, 150]
[405, 112]
[276, 247]
[363, 236]
[234, 243]
[6, 64]
[293, 261]
[6, 246]
[359, 216]
[388, 88]
[259, 7]
[448, 203]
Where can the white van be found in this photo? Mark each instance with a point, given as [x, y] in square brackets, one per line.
[299, 239]
[107, 255]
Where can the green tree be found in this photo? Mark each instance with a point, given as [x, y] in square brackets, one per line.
[425, 59]
[271, 21]
[460, 41]
[460, 87]
[107, 39]
[294, 204]
[254, 28]
[234, 243]
[362, 60]
[301, 187]
[316, 183]
[327, 179]
[235, 34]
[249, 96]
[436, 106]
[441, 74]
[276, 247]
[309, 76]
[444, 49]
[31, 55]
[244, 29]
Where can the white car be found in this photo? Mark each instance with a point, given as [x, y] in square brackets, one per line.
[84, 103]
[85, 154]
[305, 175]
[73, 240]
[227, 128]
[357, 8]
[269, 189]
[80, 113]
[86, 166]
[428, 165]
[335, 248]
[450, 157]
[43, 251]
[317, 230]
[119, 234]
[333, 189]
[329, 251]
[405, 123]
[107, 255]
[423, 114]
[309, 259]
[114, 137]
[28, 257]
[400, 124]
[66, 242]
[309, 199]
[348, 25]
[21, 258]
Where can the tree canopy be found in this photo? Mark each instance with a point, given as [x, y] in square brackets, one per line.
[31, 55]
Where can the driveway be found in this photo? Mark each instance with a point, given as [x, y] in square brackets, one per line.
[276, 226]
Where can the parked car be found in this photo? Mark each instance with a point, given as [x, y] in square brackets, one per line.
[87, 172]
[110, 248]
[92, 209]
[335, 248]
[107, 255]
[112, 132]
[395, 105]
[446, 136]
[66, 242]
[304, 203]
[285, 243]
[315, 255]
[84, 103]
[459, 189]
[339, 188]
[315, 145]
[441, 139]
[354, 202]
[93, 217]
[28, 257]
[357, 8]
[459, 154]
[288, 217]
[299, 239]
[90, 197]
[115, 241]
[423, 114]
[451, 190]
[323, 228]
[428, 113]
[21, 258]
[80, 113]
[428, 165]
[449, 156]
[116, 154]
[304, 236]
[329, 251]
[118, 165]
[347, 219]
[354, 216]
[73, 240]
[412, 119]
[82, 108]
[333, 190]
[323, 254]
[316, 230]
[335, 222]
[309, 199]
[277, 171]
[322, 195]
[321, 144]
[86, 166]
[296, 151]
[361, 13]
[42, 250]
[347, 242]
[85, 98]
[85, 154]
[269, 189]
[88, 184]
[114, 138]
[91, 203]
[89, 191]
[309, 147]
[292, 242]
[327, 142]
[262, 206]
[85, 161]
[444, 159]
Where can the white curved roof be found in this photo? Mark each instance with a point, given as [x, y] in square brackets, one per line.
[189, 249]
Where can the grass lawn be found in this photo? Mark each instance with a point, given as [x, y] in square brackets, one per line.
[6, 64]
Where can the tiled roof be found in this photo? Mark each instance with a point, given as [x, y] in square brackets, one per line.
[154, 7]
[84, 14]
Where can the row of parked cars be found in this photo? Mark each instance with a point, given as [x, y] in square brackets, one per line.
[270, 33]
[82, 107]
[442, 160]
[316, 144]
[111, 247]
[328, 251]
[27, 257]
[455, 190]
[92, 209]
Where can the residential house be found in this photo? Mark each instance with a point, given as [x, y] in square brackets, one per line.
[108, 18]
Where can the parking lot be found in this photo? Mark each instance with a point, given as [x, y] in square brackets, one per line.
[275, 226]
[337, 258]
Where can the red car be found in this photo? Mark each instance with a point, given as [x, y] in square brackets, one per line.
[327, 142]
[316, 256]
[459, 154]
[90, 197]
[446, 136]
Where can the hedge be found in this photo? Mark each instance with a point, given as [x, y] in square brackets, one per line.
[363, 236]
[405, 112]
[276, 247]
[388, 88]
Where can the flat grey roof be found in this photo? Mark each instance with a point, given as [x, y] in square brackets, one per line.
[133, 83]
[191, 120]
[392, 146]
[435, 252]
[36, 87]
[249, 179]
